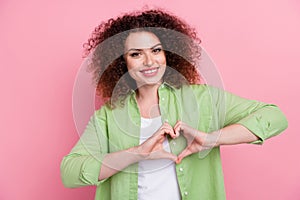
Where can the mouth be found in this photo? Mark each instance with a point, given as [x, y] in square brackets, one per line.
[150, 72]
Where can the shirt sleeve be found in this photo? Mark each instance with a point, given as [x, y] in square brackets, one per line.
[262, 119]
[82, 165]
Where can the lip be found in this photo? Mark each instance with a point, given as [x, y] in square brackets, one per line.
[150, 71]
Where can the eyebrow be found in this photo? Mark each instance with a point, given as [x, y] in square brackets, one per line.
[133, 49]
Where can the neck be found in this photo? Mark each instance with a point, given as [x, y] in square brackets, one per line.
[148, 92]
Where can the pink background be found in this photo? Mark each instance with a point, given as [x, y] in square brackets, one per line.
[255, 45]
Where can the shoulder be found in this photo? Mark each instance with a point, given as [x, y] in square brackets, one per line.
[120, 105]
[201, 89]
[102, 112]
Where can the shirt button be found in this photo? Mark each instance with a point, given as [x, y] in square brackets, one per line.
[174, 143]
[181, 169]
[162, 99]
[166, 120]
[185, 193]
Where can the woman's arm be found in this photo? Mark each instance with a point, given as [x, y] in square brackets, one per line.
[116, 161]
[261, 119]
[198, 140]
[82, 165]
[232, 134]
[238, 120]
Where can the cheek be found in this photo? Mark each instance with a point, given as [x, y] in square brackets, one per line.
[162, 60]
[132, 63]
[129, 64]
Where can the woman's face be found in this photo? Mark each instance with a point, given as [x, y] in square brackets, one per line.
[145, 58]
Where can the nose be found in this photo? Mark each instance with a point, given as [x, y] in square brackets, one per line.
[148, 60]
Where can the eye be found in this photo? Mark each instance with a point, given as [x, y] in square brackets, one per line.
[135, 54]
[157, 50]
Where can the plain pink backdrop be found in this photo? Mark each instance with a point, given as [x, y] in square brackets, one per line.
[255, 45]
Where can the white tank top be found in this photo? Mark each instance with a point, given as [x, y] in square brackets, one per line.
[156, 178]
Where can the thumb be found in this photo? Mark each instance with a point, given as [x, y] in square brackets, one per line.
[186, 152]
[167, 155]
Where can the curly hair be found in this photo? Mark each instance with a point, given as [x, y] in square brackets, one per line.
[106, 46]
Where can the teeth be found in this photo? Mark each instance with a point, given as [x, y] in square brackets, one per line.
[150, 71]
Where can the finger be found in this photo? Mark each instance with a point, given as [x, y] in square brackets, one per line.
[157, 137]
[177, 132]
[177, 128]
[160, 136]
[168, 130]
[161, 131]
[178, 123]
[168, 125]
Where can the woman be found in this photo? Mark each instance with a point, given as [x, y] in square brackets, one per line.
[158, 135]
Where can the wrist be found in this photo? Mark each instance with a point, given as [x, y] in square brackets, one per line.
[213, 139]
[136, 153]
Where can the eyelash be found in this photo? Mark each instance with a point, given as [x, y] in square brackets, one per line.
[155, 51]
[135, 54]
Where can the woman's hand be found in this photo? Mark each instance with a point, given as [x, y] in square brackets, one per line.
[152, 148]
[196, 140]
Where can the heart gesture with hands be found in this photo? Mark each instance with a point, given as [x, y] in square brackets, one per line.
[152, 148]
[196, 140]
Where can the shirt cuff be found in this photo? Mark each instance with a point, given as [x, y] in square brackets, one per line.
[265, 123]
[90, 171]
[254, 125]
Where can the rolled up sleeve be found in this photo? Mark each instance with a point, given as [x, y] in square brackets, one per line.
[265, 123]
[82, 165]
[262, 119]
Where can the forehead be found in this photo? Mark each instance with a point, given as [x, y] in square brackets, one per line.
[141, 40]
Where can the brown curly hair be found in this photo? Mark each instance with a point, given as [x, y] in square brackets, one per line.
[106, 46]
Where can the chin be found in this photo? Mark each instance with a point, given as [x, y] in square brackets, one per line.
[150, 82]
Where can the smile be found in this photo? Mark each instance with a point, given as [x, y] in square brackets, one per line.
[149, 72]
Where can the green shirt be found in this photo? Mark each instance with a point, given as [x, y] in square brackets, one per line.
[199, 175]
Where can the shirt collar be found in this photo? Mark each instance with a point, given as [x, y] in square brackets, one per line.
[163, 85]
[166, 84]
